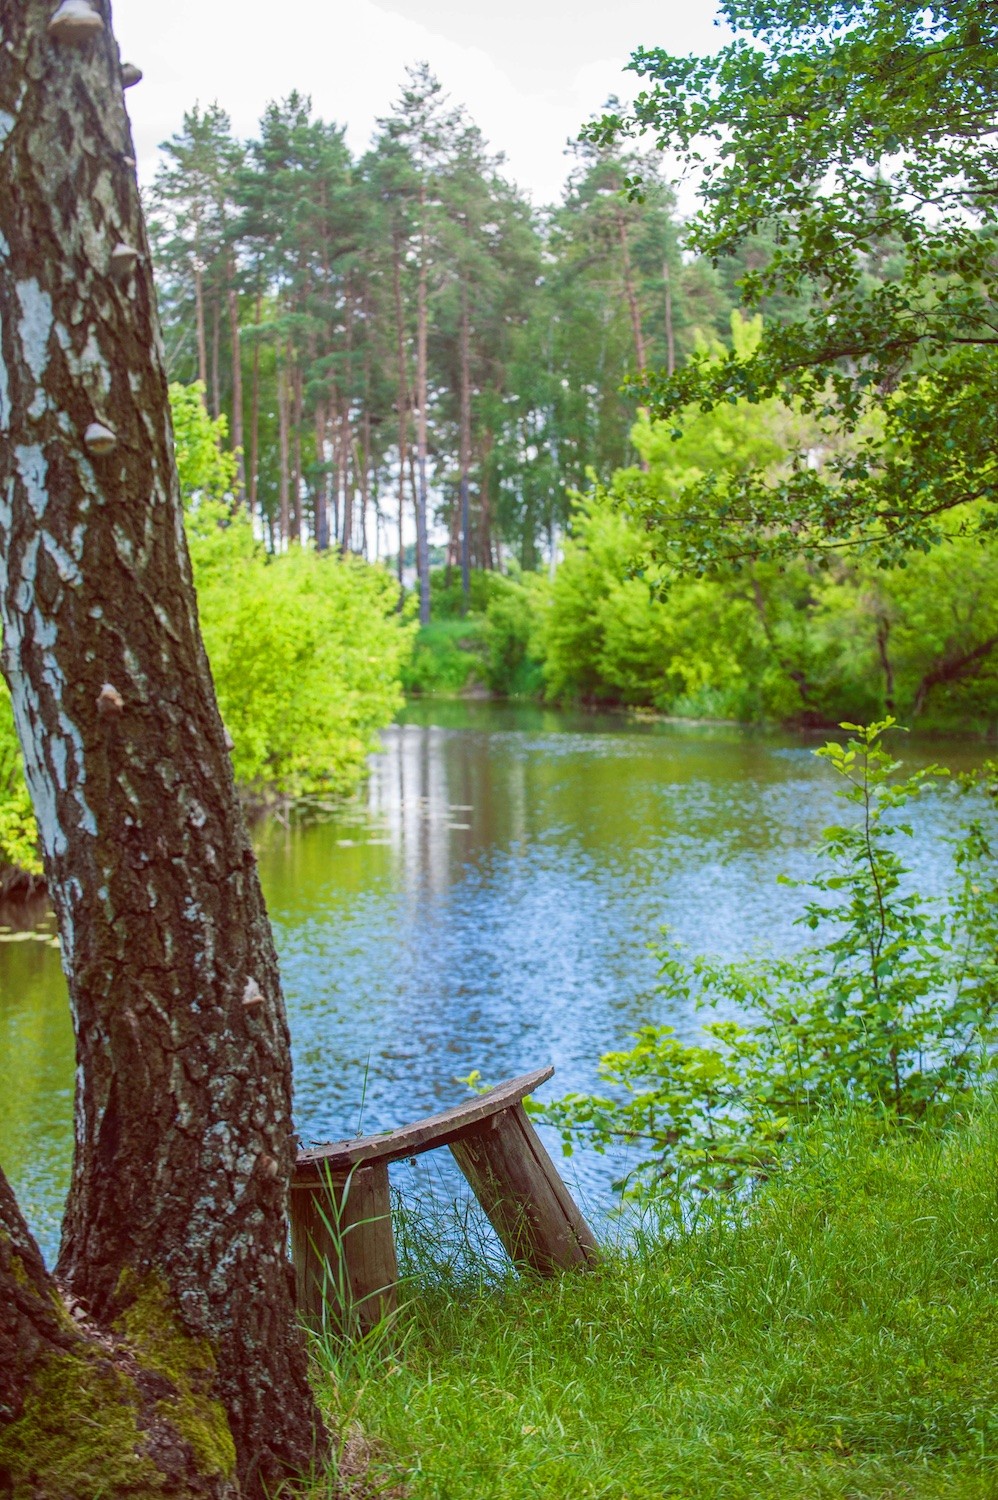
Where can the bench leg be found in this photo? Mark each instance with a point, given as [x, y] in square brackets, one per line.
[344, 1250]
[519, 1187]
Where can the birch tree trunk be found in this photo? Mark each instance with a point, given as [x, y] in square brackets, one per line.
[174, 1241]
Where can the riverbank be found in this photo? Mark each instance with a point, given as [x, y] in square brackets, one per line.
[794, 645]
[839, 1342]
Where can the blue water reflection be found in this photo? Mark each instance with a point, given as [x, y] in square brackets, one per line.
[486, 904]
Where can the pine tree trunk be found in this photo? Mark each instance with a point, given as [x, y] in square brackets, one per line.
[365, 479]
[202, 336]
[346, 439]
[321, 505]
[632, 295]
[632, 302]
[254, 466]
[216, 358]
[485, 559]
[296, 488]
[670, 337]
[465, 450]
[175, 1230]
[238, 438]
[422, 396]
[403, 399]
[346, 444]
[285, 448]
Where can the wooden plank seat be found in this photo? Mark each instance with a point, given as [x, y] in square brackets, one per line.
[341, 1228]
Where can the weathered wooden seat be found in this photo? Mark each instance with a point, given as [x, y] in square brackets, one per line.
[341, 1227]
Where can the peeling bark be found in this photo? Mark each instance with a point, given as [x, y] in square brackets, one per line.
[184, 1141]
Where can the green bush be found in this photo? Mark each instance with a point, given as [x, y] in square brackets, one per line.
[512, 667]
[447, 595]
[19, 850]
[494, 645]
[306, 650]
[606, 635]
[448, 658]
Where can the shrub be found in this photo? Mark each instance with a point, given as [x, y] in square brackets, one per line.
[892, 1013]
[18, 832]
[512, 665]
[306, 651]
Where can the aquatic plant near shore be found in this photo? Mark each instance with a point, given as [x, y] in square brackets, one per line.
[893, 1012]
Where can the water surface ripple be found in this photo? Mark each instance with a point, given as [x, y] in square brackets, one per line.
[486, 904]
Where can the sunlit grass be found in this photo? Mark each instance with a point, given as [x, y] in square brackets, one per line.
[840, 1342]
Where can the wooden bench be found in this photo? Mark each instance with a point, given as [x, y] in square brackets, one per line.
[341, 1226]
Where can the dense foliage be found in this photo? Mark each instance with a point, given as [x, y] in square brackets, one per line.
[306, 651]
[20, 861]
[853, 143]
[892, 1013]
[790, 640]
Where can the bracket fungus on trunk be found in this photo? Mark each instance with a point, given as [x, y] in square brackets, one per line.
[100, 439]
[124, 259]
[130, 75]
[109, 701]
[75, 21]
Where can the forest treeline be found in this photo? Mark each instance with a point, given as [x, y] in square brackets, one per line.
[402, 335]
[796, 640]
[366, 346]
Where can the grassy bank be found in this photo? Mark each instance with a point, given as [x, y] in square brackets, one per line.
[838, 1343]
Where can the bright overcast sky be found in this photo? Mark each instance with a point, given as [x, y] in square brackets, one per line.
[529, 71]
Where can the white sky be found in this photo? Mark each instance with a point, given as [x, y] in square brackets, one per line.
[529, 74]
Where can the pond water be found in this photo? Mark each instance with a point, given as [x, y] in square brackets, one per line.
[486, 903]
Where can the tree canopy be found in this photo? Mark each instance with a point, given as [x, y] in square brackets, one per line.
[855, 141]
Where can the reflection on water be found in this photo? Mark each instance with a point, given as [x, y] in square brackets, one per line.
[486, 904]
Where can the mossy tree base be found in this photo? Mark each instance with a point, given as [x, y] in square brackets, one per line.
[125, 1413]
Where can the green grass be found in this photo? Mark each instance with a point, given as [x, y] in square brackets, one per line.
[840, 1342]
